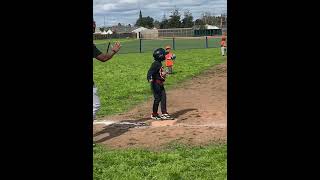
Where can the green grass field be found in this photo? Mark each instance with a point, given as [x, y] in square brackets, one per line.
[133, 45]
[122, 81]
[122, 84]
[177, 162]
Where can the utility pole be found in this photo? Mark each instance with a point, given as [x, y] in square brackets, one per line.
[221, 22]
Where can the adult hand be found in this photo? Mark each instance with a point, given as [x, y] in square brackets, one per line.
[116, 47]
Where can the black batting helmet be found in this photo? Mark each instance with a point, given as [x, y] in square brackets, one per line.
[159, 54]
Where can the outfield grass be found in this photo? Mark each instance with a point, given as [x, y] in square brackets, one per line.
[122, 84]
[177, 162]
[133, 45]
[122, 81]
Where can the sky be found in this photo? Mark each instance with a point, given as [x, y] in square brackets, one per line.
[112, 12]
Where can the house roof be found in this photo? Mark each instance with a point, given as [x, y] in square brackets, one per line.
[139, 29]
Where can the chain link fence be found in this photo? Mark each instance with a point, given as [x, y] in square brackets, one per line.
[144, 45]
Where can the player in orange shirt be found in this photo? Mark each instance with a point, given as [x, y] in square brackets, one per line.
[170, 57]
[223, 44]
[224, 36]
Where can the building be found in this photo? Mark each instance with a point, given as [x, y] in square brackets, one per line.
[209, 30]
[97, 31]
[139, 30]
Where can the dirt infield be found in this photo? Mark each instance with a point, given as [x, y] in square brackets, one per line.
[199, 106]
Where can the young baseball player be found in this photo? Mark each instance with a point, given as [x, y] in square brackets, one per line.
[223, 44]
[156, 76]
[170, 57]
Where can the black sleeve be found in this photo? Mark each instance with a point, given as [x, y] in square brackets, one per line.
[96, 51]
[153, 69]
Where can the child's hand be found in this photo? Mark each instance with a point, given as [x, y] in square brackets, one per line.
[150, 80]
[164, 74]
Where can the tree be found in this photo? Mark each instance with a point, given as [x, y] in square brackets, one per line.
[199, 23]
[205, 17]
[187, 21]
[144, 21]
[164, 22]
[223, 20]
[102, 29]
[208, 18]
[139, 21]
[147, 22]
[140, 15]
[174, 20]
[119, 25]
[156, 24]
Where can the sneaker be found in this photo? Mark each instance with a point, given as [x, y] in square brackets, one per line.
[166, 116]
[155, 117]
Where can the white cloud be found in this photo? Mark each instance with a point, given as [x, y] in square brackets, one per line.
[127, 11]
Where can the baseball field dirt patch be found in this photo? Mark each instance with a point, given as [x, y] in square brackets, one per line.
[198, 105]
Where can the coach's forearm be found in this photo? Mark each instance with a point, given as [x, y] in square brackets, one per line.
[106, 57]
[110, 55]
